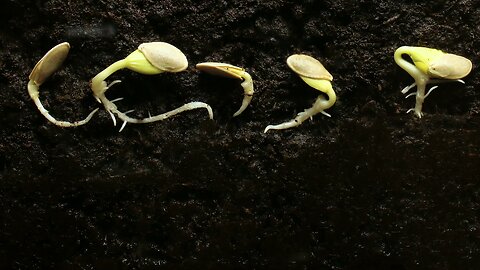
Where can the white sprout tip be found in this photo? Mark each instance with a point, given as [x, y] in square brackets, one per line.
[409, 110]
[117, 99]
[113, 118]
[411, 94]
[112, 83]
[429, 91]
[123, 126]
[461, 81]
[272, 127]
[407, 88]
[324, 113]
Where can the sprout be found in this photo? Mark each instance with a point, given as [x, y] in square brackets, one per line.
[50, 63]
[314, 74]
[150, 59]
[230, 71]
[427, 64]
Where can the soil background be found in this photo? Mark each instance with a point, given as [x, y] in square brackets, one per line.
[369, 188]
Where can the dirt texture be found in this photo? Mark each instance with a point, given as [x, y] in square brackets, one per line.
[369, 188]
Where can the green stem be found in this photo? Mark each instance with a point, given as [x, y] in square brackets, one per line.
[98, 83]
[420, 78]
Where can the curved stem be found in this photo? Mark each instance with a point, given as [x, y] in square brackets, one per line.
[332, 98]
[34, 94]
[421, 79]
[319, 106]
[248, 91]
[98, 83]
[326, 87]
[245, 102]
[407, 66]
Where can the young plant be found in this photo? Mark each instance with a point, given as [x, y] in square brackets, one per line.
[149, 59]
[230, 71]
[430, 66]
[50, 63]
[314, 74]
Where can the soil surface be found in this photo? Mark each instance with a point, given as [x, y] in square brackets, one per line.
[369, 188]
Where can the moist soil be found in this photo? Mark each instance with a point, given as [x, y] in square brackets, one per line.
[369, 188]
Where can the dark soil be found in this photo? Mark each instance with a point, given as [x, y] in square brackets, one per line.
[369, 188]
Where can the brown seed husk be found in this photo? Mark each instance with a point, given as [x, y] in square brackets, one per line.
[49, 63]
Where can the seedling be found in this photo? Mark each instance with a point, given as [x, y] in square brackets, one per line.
[149, 59]
[230, 71]
[430, 66]
[314, 74]
[50, 63]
